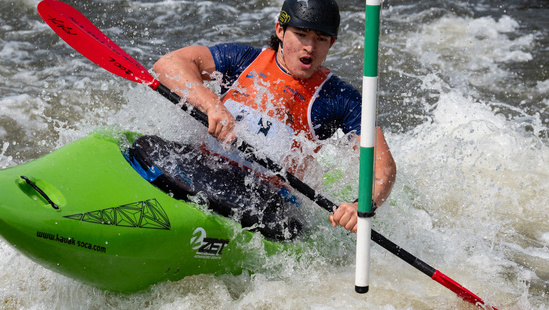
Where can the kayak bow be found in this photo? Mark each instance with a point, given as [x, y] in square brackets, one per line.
[84, 212]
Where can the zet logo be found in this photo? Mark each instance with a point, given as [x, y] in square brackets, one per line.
[210, 248]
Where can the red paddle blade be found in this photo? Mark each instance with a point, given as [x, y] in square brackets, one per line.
[83, 36]
[455, 287]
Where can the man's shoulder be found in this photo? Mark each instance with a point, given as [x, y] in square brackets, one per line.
[337, 106]
[232, 58]
[234, 46]
[336, 88]
[235, 49]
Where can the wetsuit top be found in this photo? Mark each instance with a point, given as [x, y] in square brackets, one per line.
[337, 104]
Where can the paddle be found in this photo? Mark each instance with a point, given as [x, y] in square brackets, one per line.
[86, 38]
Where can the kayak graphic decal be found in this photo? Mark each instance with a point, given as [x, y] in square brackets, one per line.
[209, 248]
[141, 214]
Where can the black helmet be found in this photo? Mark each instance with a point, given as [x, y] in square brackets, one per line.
[319, 15]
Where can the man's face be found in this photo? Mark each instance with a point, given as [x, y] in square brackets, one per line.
[304, 50]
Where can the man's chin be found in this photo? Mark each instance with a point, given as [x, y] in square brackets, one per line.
[303, 75]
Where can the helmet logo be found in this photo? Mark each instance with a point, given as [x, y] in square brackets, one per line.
[284, 17]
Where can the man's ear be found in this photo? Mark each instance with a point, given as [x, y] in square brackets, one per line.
[333, 41]
[279, 31]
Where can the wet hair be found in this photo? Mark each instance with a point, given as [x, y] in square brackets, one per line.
[274, 42]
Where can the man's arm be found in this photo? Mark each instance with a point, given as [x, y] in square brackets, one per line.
[385, 169]
[385, 175]
[184, 72]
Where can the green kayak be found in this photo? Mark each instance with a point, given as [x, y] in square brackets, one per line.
[84, 212]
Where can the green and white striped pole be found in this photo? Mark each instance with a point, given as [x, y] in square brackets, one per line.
[367, 141]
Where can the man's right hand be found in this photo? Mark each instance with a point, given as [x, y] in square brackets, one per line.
[221, 123]
[184, 72]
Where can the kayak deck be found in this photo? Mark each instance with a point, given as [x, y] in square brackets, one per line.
[229, 189]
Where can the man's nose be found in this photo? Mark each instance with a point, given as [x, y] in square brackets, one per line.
[309, 44]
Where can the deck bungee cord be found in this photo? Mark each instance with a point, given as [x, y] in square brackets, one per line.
[75, 29]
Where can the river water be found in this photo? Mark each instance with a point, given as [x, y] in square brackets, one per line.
[464, 96]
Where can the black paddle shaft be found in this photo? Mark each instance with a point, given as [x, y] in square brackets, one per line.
[403, 254]
[296, 183]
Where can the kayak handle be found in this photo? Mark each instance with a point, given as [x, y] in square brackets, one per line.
[41, 192]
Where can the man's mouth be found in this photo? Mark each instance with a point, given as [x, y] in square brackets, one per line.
[306, 60]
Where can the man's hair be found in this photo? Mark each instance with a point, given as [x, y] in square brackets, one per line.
[274, 42]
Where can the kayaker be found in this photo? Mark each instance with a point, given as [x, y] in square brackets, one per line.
[304, 99]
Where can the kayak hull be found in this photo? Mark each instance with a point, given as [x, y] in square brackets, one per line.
[112, 229]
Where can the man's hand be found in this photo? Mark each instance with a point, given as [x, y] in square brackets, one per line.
[346, 216]
[184, 72]
[221, 123]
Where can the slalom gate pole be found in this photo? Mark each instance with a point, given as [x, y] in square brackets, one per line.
[367, 142]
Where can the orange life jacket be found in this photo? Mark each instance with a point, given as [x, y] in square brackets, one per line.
[274, 106]
[265, 87]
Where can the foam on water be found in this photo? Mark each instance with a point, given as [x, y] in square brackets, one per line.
[481, 183]
[478, 166]
[476, 46]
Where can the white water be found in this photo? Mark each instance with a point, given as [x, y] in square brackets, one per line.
[471, 191]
